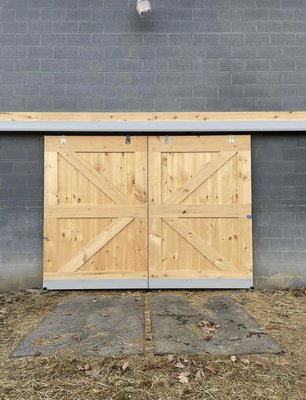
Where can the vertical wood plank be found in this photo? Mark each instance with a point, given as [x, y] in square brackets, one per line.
[245, 197]
[140, 224]
[155, 237]
[50, 199]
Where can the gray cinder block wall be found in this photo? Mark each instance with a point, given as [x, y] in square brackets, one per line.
[21, 209]
[203, 55]
[279, 210]
[88, 55]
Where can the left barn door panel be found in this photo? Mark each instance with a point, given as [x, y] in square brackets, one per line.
[95, 212]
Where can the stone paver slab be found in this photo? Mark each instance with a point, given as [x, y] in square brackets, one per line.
[175, 326]
[87, 325]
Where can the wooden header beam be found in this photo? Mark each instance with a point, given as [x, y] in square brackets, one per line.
[153, 122]
[155, 116]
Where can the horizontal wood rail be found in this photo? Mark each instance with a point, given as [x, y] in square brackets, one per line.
[155, 116]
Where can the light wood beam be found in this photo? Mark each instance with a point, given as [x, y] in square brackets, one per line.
[154, 116]
[201, 210]
[95, 211]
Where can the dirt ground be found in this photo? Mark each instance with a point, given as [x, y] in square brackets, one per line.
[282, 314]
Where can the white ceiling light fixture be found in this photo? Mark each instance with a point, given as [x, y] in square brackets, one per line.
[143, 8]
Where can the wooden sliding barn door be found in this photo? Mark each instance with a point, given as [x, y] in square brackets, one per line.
[95, 212]
[200, 212]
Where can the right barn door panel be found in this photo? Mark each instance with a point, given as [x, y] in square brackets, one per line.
[200, 221]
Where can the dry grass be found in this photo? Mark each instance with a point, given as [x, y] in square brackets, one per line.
[281, 313]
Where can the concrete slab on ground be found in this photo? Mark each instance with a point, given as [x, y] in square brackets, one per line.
[88, 325]
[217, 327]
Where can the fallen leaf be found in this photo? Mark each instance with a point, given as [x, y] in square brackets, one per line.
[170, 357]
[293, 328]
[87, 367]
[55, 337]
[179, 365]
[281, 363]
[77, 337]
[94, 373]
[211, 330]
[257, 362]
[245, 361]
[200, 374]
[233, 359]
[270, 326]
[125, 366]
[210, 368]
[204, 323]
[183, 377]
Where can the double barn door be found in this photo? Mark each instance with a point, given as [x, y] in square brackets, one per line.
[147, 212]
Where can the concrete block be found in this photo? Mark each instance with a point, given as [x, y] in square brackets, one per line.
[91, 78]
[142, 78]
[53, 39]
[155, 65]
[52, 14]
[116, 78]
[64, 104]
[155, 40]
[282, 38]
[232, 65]
[78, 65]
[130, 65]
[116, 52]
[53, 65]
[90, 52]
[101, 65]
[231, 14]
[30, 39]
[255, 14]
[107, 39]
[269, 26]
[113, 27]
[66, 26]
[257, 64]
[244, 51]
[65, 78]
[66, 52]
[231, 39]
[182, 39]
[293, 4]
[79, 91]
[244, 77]
[294, 27]
[129, 92]
[282, 244]
[39, 27]
[77, 39]
[256, 39]
[243, 26]
[130, 39]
